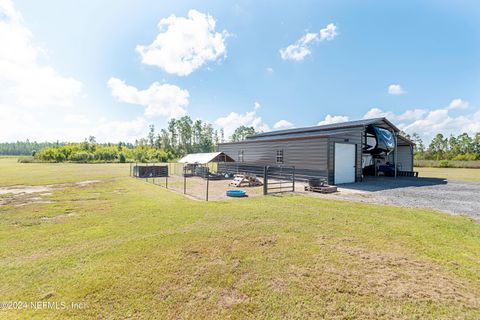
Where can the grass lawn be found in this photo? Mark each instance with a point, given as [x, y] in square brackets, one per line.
[127, 249]
[14, 173]
[461, 174]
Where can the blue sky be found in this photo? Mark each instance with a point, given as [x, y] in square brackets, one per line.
[78, 70]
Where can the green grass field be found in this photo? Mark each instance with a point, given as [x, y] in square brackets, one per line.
[123, 248]
[462, 174]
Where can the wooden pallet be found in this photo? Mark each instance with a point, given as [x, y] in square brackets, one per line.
[323, 189]
[407, 174]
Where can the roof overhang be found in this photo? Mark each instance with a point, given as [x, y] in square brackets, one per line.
[204, 158]
[325, 129]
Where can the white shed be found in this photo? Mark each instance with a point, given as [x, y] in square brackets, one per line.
[204, 158]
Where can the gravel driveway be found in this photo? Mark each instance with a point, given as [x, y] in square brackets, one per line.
[454, 197]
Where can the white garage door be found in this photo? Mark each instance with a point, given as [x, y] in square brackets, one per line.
[344, 163]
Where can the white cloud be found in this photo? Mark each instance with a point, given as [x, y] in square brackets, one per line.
[411, 115]
[395, 89]
[108, 130]
[15, 124]
[35, 100]
[76, 119]
[378, 113]
[333, 119]
[270, 70]
[283, 124]
[257, 105]
[234, 120]
[184, 44]
[23, 79]
[159, 99]
[329, 32]
[458, 104]
[440, 121]
[428, 123]
[301, 48]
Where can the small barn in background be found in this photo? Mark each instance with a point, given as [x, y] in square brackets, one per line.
[200, 164]
[205, 158]
[340, 152]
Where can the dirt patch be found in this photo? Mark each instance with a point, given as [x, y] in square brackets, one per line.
[86, 182]
[399, 276]
[278, 285]
[232, 297]
[24, 189]
[22, 195]
[197, 188]
[267, 241]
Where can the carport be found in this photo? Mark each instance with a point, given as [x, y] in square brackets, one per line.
[338, 153]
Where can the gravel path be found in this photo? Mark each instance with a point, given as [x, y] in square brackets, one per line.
[454, 197]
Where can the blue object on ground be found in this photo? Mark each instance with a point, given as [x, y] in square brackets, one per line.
[236, 193]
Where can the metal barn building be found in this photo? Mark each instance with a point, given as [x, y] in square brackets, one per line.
[340, 152]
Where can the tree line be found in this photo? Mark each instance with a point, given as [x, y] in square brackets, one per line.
[458, 148]
[22, 148]
[181, 136]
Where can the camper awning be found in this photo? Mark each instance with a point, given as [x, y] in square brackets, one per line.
[204, 158]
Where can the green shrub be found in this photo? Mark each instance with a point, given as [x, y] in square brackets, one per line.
[122, 158]
[105, 154]
[444, 164]
[82, 156]
[466, 157]
[52, 155]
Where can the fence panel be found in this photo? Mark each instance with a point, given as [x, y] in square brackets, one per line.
[278, 179]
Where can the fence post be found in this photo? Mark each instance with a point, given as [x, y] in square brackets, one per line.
[265, 180]
[166, 181]
[293, 178]
[130, 169]
[208, 180]
[184, 180]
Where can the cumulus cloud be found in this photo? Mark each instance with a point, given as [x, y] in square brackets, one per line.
[458, 104]
[427, 122]
[159, 99]
[24, 80]
[378, 113]
[329, 32]
[333, 119]
[114, 130]
[184, 44]
[409, 115]
[302, 47]
[234, 120]
[395, 89]
[33, 94]
[15, 124]
[283, 124]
